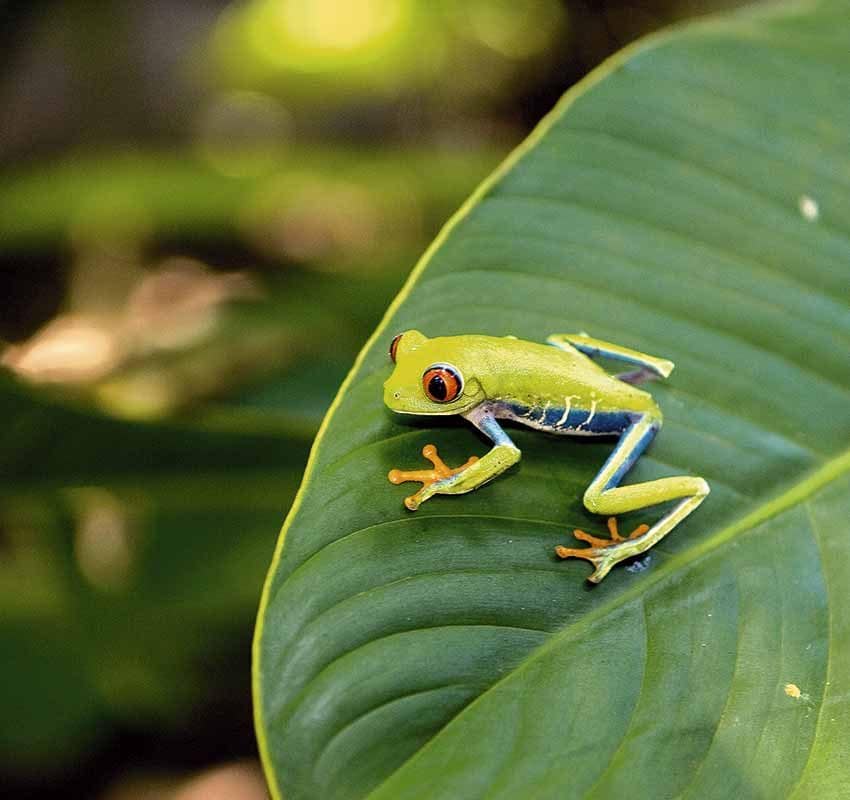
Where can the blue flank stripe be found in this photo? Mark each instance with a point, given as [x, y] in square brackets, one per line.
[603, 422]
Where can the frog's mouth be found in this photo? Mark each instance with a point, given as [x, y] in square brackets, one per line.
[401, 402]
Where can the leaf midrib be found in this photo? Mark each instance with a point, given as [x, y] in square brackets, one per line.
[791, 497]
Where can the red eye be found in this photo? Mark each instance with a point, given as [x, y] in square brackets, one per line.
[442, 384]
[394, 346]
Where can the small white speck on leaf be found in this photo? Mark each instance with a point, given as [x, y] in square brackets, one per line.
[808, 207]
[792, 690]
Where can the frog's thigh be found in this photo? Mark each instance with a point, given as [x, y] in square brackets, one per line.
[596, 347]
[605, 496]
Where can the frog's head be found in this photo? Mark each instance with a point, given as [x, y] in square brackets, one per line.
[431, 376]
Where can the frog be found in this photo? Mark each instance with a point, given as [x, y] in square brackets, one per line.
[556, 387]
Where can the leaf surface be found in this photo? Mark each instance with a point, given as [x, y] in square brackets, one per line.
[690, 199]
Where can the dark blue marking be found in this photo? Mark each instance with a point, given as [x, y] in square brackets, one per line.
[520, 411]
[634, 455]
[577, 417]
[603, 422]
[592, 351]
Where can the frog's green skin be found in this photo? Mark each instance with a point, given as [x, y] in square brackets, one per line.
[557, 389]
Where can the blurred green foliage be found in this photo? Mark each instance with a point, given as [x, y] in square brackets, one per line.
[126, 551]
[322, 51]
[156, 195]
[140, 501]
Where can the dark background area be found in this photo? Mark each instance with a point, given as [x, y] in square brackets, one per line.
[205, 209]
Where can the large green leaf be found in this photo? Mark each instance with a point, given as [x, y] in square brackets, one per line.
[691, 199]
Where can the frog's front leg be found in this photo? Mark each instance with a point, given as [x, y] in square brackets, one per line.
[605, 496]
[474, 473]
[427, 477]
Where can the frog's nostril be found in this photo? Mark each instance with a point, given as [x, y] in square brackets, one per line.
[396, 395]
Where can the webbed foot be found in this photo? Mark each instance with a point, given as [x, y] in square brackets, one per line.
[427, 477]
[605, 553]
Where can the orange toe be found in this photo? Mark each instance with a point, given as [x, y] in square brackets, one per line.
[426, 477]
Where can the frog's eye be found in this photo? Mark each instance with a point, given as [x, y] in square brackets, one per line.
[394, 346]
[442, 383]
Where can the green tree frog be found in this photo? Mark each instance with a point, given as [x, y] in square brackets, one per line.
[556, 388]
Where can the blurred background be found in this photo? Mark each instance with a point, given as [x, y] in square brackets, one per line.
[205, 208]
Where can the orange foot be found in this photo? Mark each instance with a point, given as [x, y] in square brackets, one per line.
[597, 545]
[426, 477]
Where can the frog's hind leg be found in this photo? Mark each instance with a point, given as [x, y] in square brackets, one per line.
[606, 496]
[637, 376]
[648, 367]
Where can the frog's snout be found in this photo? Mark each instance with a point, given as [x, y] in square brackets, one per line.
[391, 394]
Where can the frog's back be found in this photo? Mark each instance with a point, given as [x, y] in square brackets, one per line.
[555, 389]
